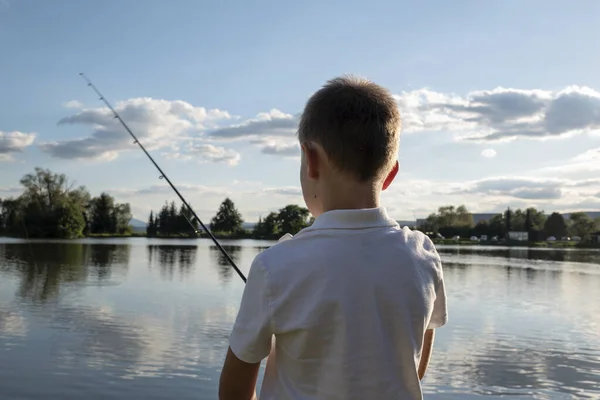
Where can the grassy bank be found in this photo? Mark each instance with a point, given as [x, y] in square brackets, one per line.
[557, 244]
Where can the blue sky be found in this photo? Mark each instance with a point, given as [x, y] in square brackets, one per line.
[500, 99]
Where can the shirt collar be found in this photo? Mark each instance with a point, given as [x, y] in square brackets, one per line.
[353, 219]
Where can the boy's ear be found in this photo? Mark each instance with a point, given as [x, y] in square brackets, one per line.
[391, 175]
[311, 158]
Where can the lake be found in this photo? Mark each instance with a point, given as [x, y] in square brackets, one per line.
[149, 319]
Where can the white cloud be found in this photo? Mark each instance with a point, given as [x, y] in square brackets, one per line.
[73, 104]
[157, 124]
[586, 162]
[274, 123]
[14, 142]
[488, 153]
[485, 116]
[207, 153]
[504, 114]
[281, 149]
[501, 114]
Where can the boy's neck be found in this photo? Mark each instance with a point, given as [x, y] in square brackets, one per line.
[350, 196]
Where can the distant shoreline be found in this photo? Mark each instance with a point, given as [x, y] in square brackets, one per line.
[467, 243]
[559, 244]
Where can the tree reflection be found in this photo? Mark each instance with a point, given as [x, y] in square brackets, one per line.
[172, 257]
[224, 268]
[524, 253]
[43, 267]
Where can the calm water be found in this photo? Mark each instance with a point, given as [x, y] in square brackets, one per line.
[149, 319]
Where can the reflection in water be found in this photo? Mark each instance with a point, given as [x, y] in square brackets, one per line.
[224, 268]
[44, 267]
[523, 323]
[11, 324]
[171, 258]
[525, 253]
[581, 261]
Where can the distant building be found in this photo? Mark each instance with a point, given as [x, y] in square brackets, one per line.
[518, 236]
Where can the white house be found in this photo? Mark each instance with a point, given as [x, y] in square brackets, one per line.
[518, 236]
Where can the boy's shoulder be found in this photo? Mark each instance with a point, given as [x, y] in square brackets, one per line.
[290, 246]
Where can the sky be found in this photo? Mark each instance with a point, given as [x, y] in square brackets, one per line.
[500, 100]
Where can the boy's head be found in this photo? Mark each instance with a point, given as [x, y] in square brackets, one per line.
[349, 134]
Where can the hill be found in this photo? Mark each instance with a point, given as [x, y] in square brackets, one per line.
[136, 223]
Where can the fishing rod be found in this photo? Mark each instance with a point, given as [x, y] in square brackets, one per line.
[164, 176]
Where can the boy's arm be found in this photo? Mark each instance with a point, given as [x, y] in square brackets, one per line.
[238, 379]
[426, 352]
[439, 318]
[250, 339]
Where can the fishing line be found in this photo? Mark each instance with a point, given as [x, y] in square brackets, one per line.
[164, 176]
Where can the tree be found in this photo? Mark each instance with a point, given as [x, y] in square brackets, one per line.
[482, 228]
[555, 226]
[152, 226]
[11, 217]
[101, 214]
[69, 221]
[292, 218]
[496, 225]
[50, 206]
[122, 216]
[508, 220]
[228, 218]
[580, 224]
[267, 228]
[537, 218]
[164, 224]
[47, 189]
[184, 216]
[449, 219]
[107, 216]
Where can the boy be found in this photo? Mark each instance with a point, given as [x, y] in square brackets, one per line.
[353, 299]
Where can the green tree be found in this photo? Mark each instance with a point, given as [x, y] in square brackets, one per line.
[69, 221]
[508, 220]
[107, 216]
[580, 224]
[292, 218]
[228, 218]
[482, 228]
[496, 226]
[537, 218]
[555, 226]
[267, 228]
[49, 205]
[151, 226]
[184, 216]
[122, 216]
[11, 217]
[451, 217]
[101, 211]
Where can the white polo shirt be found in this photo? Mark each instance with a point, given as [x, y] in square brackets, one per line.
[348, 301]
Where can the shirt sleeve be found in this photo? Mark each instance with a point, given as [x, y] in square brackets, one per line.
[439, 316]
[250, 338]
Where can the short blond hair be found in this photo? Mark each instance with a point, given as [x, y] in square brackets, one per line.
[357, 122]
